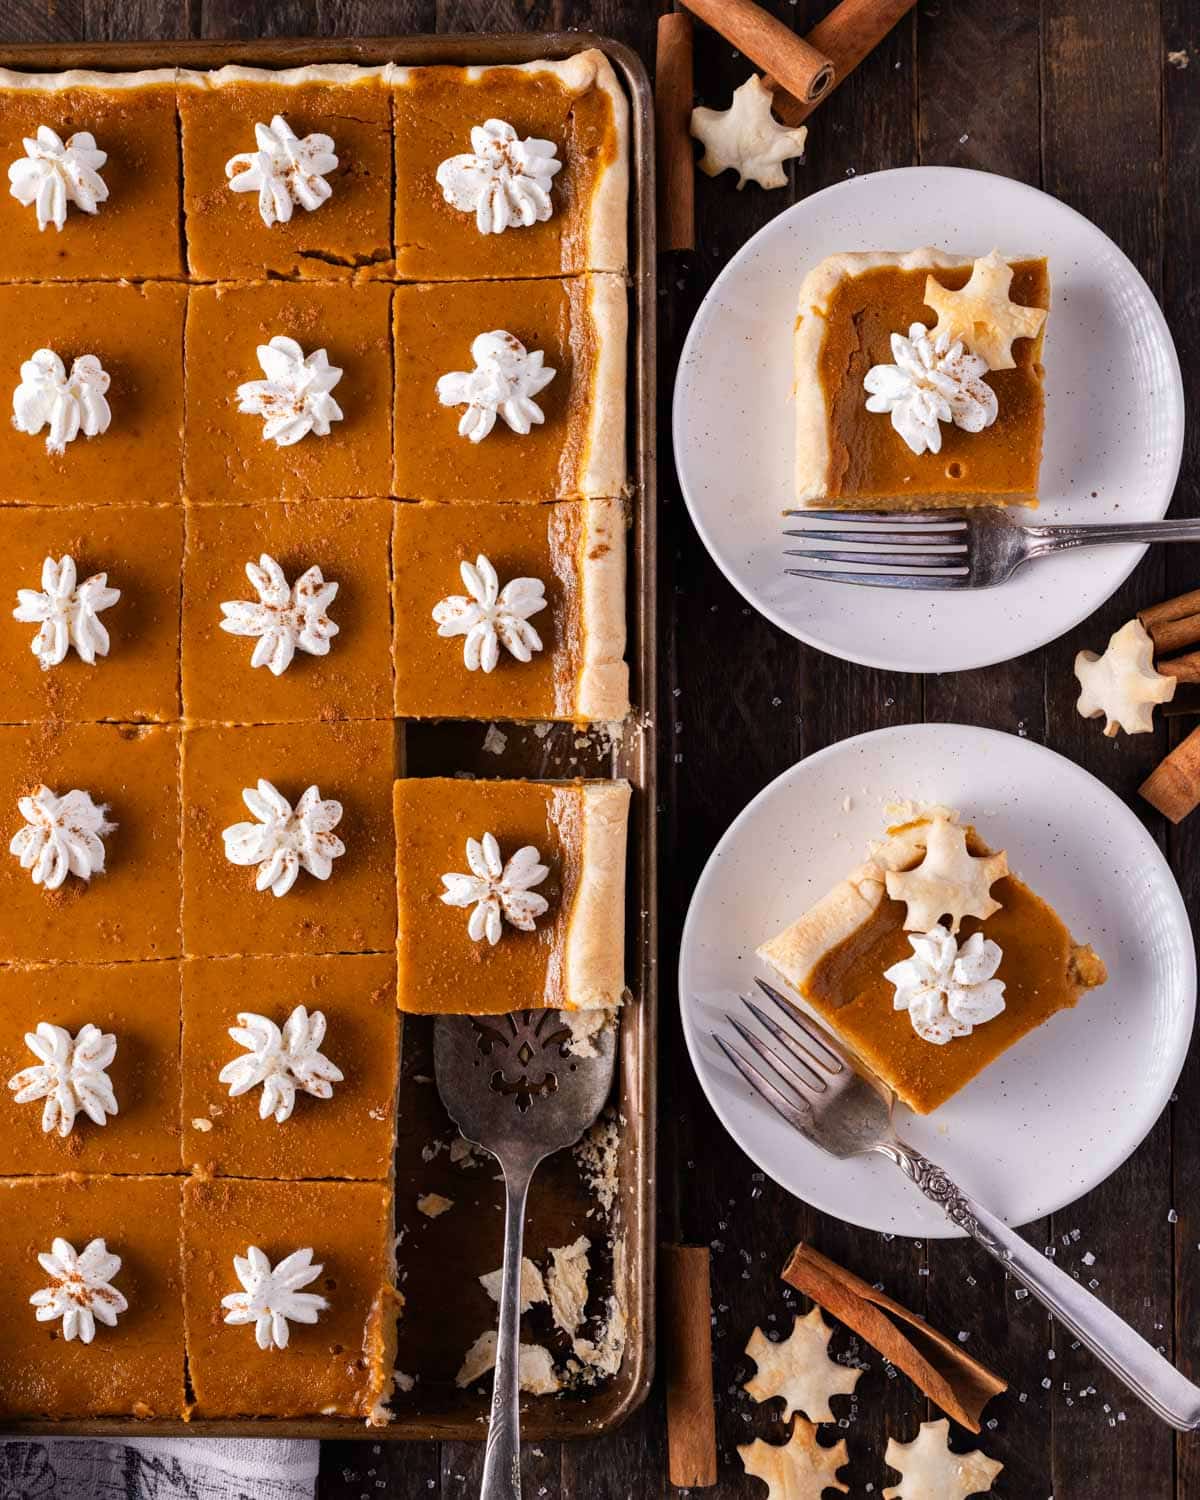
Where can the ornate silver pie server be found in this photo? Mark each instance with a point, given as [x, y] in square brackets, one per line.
[836, 1104]
[512, 1087]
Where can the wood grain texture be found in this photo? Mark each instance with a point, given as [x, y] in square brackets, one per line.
[1079, 96]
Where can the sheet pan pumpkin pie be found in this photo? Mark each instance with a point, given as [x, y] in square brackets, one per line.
[510, 611]
[932, 958]
[511, 894]
[510, 171]
[918, 380]
[93, 176]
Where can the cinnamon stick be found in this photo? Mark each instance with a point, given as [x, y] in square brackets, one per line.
[673, 92]
[1171, 609]
[793, 63]
[687, 1323]
[938, 1366]
[1173, 634]
[1174, 787]
[850, 32]
[1182, 668]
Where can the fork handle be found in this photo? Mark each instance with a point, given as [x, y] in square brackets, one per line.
[1148, 1375]
[1047, 539]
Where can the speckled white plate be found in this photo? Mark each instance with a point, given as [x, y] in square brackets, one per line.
[1114, 416]
[1055, 1114]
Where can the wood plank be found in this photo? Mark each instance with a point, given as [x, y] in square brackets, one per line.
[137, 20]
[42, 21]
[1102, 154]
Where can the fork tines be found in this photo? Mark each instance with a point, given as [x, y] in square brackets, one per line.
[935, 542]
[806, 1065]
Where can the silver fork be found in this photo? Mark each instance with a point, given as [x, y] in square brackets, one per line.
[955, 549]
[835, 1103]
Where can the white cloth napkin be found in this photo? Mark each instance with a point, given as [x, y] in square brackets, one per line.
[158, 1469]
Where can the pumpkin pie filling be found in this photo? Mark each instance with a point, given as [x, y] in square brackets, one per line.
[850, 456]
[839, 955]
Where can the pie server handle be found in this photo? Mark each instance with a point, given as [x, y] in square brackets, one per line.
[1148, 1375]
[502, 1459]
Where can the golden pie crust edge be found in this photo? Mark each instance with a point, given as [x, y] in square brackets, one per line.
[605, 239]
[234, 73]
[594, 958]
[812, 417]
[84, 78]
[602, 692]
[602, 463]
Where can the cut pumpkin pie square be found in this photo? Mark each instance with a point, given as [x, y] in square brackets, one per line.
[89, 612]
[919, 381]
[89, 855]
[91, 1297]
[511, 171]
[932, 958]
[510, 611]
[89, 1069]
[290, 1066]
[287, 842]
[511, 895]
[285, 612]
[288, 392]
[320, 1255]
[93, 381]
[287, 172]
[510, 390]
[93, 169]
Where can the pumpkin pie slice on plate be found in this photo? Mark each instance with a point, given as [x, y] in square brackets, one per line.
[511, 171]
[918, 381]
[510, 390]
[287, 173]
[932, 958]
[93, 171]
[511, 895]
[510, 611]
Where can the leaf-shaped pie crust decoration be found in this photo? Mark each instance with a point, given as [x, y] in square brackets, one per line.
[800, 1469]
[949, 881]
[799, 1369]
[929, 1471]
[981, 314]
[747, 137]
[1123, 684]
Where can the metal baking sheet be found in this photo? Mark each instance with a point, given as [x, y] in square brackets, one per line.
[439, 1260]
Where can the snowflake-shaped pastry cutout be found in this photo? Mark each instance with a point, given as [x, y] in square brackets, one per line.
[490, 616]
[498, 892]
[503, 180]
[285, 841]
[282, 1061]
[286, 618]
[933, 380]
[62, 836]
[930, 1471]
[1123, 685]
[294, 399]
[55, 173]
[981, 313]
[69, 1075]
[285, 170]
[747, 138]
[272, 1296]
[68, 613]
[800, 1469]
[949, 882]
[506, 378]
[799, 1369]
[65, 404]
[81, 1291]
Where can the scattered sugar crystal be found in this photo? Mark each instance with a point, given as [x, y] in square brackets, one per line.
[1021, 1293]
[1046, 1382]
[963, 1335]
[1172, 1216]
[1088, 1258]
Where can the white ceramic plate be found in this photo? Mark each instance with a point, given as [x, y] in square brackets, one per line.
[1114, 416]
[1058, 1112]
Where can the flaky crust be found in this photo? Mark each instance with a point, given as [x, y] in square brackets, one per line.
[602, 467]
[344, 73]
[84, 78]
[594, 960]
[812, 430]
[603, 689]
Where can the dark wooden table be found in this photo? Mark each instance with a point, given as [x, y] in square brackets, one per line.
[1098, 102]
